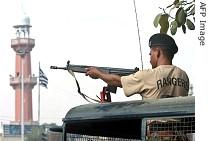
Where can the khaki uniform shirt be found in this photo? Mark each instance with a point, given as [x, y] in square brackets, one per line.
[164, 80]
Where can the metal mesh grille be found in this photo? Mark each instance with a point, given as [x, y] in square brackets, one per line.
[55, 136]
[77, 137]
[170, 129]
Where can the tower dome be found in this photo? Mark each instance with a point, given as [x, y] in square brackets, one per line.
[26, 21]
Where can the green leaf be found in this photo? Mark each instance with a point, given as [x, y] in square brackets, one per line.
[163, 20]
[174, 24]
[176, 2]
[181, 17]
[188, 8]
[190, 25]
[176, 17]
[177, 5]
[164, 23]
[184, 28]
[173, 27]
[156, 20]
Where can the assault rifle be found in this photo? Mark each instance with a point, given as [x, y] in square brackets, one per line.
[82, 69]
[106, 90]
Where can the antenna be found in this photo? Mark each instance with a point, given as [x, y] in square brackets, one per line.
[137, 24]
[22, 7]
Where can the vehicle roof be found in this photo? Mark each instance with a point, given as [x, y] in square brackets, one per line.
[132, 109]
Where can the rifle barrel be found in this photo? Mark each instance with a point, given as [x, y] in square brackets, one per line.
[55, 67]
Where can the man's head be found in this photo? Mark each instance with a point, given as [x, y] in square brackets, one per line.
[163, 48]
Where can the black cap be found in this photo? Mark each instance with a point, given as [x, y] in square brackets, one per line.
[163, 40]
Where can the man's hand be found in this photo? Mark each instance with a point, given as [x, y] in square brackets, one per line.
[111, 79]
[93, 72]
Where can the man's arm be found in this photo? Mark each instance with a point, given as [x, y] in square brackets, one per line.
[111, 79]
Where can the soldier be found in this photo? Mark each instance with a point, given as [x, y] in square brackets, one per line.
[163, 80]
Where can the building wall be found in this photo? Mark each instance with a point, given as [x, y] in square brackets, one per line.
[9, 138]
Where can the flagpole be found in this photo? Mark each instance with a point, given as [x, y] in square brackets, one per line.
[39, 96]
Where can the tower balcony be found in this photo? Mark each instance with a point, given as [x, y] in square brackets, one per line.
[22, 44]
[28, 81]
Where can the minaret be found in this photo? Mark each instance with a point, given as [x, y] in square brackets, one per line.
[23, 84]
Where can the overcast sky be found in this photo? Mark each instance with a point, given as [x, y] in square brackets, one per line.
[88, 32]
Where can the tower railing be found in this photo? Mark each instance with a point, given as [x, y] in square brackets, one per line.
[16, 81]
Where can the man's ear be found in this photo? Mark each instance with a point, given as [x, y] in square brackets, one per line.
[158, 52]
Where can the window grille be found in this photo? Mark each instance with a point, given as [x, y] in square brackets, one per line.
[77, 137]
[170, 129]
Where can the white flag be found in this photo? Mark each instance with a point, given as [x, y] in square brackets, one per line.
[43, 80]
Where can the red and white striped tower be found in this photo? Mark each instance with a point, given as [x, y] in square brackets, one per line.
[23, 82]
